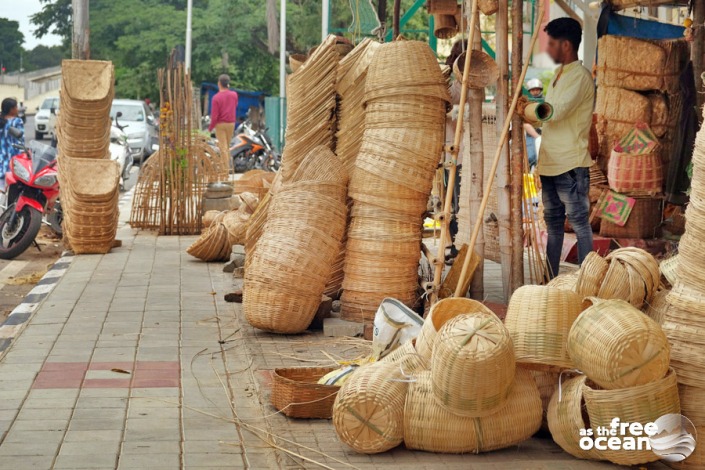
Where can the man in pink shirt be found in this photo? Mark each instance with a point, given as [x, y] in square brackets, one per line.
[223, 113]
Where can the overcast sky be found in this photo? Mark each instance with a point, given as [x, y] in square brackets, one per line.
[21, 10]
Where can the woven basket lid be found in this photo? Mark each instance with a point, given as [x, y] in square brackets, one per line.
[368, 413]
[87, 80]
[483, 69]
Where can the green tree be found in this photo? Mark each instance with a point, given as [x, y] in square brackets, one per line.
[11, 40]
[42, 56]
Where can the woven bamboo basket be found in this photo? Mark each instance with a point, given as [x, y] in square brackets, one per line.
[567, 417]
[639, 404]
[209, 217]
[445, 26]
[669, 269]
[441, 7]
[235, 223]
[591, 274]
[368, 413]
[407, 358]
[473, 365]
[633, 275]
[483, 69]
[539, 320]
[430, 427]
[692, 402]
[618, 111]
[635, 174]
[696, 460]
[564, 281]
[297, 394]
[656, 309]
[488, 7]
[441, 312]
[660, 116]
[213, 244]
[87, 80]
[617, 346]
[630, 63]
[296, 61]
[547, 383]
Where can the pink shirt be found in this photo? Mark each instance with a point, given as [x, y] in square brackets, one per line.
[223, 108]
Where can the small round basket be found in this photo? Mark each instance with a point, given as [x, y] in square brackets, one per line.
[473, 365]
[566, 418]
[539, 320]
[430, 427]
[297, 394]
[440, 313]
[407, 358]
[445, 26]
[591, 274]
[368, 413]
[640, 404]
[633, 275]
[483, 69]
[617, 346]
[442, 7]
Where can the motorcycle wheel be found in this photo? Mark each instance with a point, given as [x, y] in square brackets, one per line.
[15, 240]
[273, 163]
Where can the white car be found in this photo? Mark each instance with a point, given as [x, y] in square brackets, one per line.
[45, 119]
[135, 117]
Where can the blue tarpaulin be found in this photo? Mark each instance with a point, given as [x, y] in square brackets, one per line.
[620, 25]
[246, 99]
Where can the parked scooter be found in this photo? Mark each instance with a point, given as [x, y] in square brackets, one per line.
[32, 193]
[120, 151]
[251, 149]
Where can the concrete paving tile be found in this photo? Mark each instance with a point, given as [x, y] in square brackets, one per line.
[28, 436]
[33, 447]
[98, 414]
[23, 462]
[154, 434]
[91, 461]
[40, 424]
[211, 460]
[97, 424]
[93, 435]
[49, 403]
[169, 393]
[148, 424]
[156, 413]
[45, 413]
[53, 394]
[212, 447]
[101, 402]
[150, 460]
[158, 447]
[90, 448]
[105, 392]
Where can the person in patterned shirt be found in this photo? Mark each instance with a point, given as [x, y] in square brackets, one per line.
[8, 119]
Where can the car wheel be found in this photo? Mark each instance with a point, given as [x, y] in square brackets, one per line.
[38, 135]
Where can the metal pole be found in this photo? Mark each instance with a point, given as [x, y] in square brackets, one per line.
[80, 44]
[325, 18]
[282, 68]
[189, 13]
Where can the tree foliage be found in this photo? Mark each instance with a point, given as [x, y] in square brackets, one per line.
[11, 40]
[228, 36]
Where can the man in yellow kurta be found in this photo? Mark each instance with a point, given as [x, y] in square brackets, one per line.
[564, 159]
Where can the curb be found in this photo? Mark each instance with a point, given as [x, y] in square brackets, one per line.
[19, 317]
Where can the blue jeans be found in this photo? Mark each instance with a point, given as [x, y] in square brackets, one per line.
[531, 150]
[566, 195]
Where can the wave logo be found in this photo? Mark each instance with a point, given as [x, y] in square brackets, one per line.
[675, 439]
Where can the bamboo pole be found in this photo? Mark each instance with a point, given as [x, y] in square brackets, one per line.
[503, 137]
[502, 172]
[518, 156]
[445, 216]
[698, 50]
[473, 173]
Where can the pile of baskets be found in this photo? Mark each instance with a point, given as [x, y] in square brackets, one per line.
[89, 180]
[464, 394]
[300, 240]
[685, 309]
[406, 97]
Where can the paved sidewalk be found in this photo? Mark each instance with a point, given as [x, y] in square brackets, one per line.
[134, 361]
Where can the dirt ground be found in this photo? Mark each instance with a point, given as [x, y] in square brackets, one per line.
[19, 276]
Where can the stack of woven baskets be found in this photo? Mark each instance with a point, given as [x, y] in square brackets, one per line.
[310, 116]
[685, 310]
[350, 87]
[638, 83]
[406, 96]
[289, 269]
[465, 394]
[89, 180]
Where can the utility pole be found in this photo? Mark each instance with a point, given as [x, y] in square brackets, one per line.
[80, 43]
[325, 18]
[189, 14]
[282, 68]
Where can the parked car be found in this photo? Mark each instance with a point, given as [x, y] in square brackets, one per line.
[45, 119]
[139, 124]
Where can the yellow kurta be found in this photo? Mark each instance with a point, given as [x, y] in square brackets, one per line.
[564, 142]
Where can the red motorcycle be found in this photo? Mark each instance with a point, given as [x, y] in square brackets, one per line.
[32, 193]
